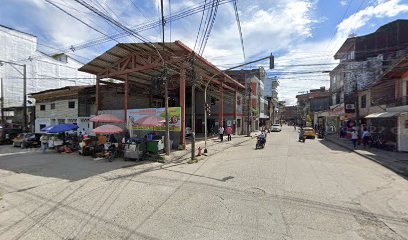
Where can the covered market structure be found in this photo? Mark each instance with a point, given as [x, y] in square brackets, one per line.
[139, 68]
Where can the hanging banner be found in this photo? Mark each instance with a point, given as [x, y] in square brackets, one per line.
[154, 119]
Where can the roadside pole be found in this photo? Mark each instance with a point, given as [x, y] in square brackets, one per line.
[25, 98]
[271, 66]
[2, 102]
[166, 88]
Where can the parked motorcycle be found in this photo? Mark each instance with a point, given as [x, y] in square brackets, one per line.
[111, 153]
[320, 134]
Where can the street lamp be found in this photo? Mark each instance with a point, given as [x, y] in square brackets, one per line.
[271, 66]
[24, 73]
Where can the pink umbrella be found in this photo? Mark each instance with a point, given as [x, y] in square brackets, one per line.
[108, 129]
[150, 121]
[106, 118]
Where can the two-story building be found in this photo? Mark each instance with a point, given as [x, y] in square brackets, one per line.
[384, 105]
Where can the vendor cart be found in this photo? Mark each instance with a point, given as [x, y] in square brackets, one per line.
[134, 149]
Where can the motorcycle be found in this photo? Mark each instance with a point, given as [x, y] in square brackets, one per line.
[302, 137]
[320, 134]
[260, 143]
[111, 153]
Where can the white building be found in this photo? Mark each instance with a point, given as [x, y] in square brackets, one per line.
[43, 71]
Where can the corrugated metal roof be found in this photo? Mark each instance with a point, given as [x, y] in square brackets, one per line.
[121, 50]
[383, 115]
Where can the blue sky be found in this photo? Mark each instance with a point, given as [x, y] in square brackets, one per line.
[296, 31]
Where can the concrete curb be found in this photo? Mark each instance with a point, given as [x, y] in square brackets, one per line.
[368, 157]
[185, 156]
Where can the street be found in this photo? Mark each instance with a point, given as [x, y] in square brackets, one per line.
[288, 190]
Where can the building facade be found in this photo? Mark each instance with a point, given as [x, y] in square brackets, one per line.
[43, 71]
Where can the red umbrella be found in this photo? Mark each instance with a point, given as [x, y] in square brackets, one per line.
[106, 118]
[150, 121]
[108, 129]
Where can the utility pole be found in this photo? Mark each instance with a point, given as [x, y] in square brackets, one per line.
[25, 98]
[193, 112]
[249, 108]
[166, 88]
[356, 108]
[271, 66]
[2, 102]
[24, 73]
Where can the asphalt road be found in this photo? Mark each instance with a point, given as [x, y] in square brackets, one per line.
[289, 190]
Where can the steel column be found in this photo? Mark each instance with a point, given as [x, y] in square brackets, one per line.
[126, 96]
[97, 98]
[234, 120]
[183, 105]
[221, 112]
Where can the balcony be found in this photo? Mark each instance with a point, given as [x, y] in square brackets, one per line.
[401, 101]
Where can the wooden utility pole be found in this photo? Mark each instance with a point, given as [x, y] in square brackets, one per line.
[166, 87]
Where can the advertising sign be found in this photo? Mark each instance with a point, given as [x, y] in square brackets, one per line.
[154, 119]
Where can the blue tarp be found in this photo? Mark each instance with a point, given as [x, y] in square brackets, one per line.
[47, 128]
[60, 128]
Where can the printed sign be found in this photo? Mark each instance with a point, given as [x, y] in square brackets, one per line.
[154, 119]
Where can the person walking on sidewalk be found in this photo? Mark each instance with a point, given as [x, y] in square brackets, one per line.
[366, 137]
[221, 132]
[44, 142]
[354, 138]
[229, 132]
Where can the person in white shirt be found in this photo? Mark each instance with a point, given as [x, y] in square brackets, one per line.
[221, 132]
[354, 138]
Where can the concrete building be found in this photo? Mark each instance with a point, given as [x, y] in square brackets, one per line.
[256, 106]
[43, 71]
[362, 61]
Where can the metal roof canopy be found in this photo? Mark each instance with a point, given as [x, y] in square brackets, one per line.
[140, 62]
[383, 115]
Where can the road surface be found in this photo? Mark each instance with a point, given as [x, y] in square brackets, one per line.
[289, 190]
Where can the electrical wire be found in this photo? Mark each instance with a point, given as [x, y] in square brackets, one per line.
[141, 27]
[239, 28]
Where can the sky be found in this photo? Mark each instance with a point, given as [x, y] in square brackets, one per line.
[303, 35]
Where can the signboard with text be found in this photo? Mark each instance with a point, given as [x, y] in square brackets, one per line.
[154, 119]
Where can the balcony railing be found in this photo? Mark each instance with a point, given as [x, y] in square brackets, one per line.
[401, 101]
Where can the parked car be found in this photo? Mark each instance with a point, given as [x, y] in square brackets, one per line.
[276, 128]
[309, 132]
[8, 134]
[25, 140]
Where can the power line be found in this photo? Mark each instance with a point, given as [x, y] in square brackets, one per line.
[199, 28]
[239, 27]
[141, 27]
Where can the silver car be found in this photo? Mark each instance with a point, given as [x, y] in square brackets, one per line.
[276, 128]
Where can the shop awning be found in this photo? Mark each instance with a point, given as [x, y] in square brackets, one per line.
[383, 115]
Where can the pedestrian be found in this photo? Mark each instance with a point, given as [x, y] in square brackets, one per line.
[366, 137]
[229, 132]
[44, 142]
[354, 138]
[221, 132]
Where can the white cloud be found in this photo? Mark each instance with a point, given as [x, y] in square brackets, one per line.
[343, 3]
[380, 10]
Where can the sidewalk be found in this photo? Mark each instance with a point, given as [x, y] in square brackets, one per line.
[214, 145]
[395, 161]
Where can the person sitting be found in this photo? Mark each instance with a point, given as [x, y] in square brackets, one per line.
[262, 137]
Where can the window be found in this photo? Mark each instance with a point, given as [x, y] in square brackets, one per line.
[71, 104]
[337, 98]
[406, 123]
[52, 106]
[42, 107]
[42, 126]
[364, 101]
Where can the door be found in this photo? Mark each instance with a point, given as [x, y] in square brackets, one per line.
[403, 133]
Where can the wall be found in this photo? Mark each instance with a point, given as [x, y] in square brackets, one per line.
[61, 109]
[43, 71]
